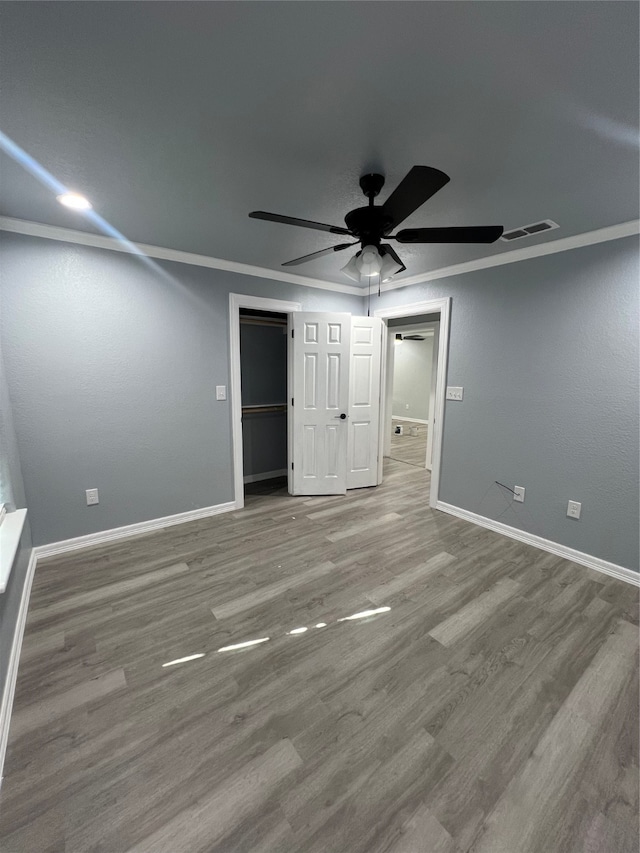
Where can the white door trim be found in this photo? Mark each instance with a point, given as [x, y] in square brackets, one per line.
[260, 303]
[432, 306]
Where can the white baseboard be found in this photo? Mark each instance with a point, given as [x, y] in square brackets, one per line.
[14, 658]
[102, 536]
[627, 575]
[266, 475]
[415, 420]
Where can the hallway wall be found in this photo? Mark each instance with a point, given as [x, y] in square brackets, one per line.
[547, 352]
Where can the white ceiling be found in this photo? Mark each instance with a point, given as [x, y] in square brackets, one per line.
[176, 118]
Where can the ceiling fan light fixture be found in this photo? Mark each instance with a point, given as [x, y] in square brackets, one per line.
[389, 268]
[369, 261]
[398, 339]
[351, 269]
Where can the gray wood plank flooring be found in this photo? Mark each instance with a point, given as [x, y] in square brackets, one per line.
[408, 448]
[487, 703]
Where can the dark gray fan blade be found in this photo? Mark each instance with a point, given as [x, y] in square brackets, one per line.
[319, 254]
[418, 185]
[388, 250]
[303, 223]
[413, 338]
[477, 234]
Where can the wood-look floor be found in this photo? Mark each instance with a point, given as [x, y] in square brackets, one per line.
[408, 448]
[493, 708]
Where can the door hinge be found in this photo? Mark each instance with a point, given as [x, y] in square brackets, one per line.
[292, 466]
[292, 401]
[291, 332]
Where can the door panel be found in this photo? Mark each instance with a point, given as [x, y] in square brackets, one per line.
[364, 402]
[320, 366]
[334, 378]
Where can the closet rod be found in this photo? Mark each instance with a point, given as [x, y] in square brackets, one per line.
[258, 410]
[262, 321]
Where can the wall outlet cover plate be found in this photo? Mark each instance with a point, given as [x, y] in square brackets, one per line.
[574, 508]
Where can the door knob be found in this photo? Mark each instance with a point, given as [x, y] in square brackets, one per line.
[341, 417]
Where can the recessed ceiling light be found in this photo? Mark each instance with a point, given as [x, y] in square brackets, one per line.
[75, 201]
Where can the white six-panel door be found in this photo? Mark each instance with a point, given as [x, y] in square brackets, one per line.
[364, 402]
[320, 365]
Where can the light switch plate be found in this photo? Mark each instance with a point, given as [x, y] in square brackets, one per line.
[221, 392]
[518, 494]
[92, 497]
[454, 392]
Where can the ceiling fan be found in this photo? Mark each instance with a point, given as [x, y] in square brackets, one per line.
[372, 224]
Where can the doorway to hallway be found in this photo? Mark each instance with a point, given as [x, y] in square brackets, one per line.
[411, 375]
[418, 321]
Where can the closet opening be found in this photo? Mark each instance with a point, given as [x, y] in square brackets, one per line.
[263, 382]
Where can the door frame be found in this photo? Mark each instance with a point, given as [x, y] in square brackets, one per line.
[259, 303]
[442, 307]
[390, 365]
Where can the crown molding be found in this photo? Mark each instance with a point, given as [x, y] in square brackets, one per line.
[98, 241]
[588, 238]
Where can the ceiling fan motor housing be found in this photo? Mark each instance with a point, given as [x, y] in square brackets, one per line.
[368, 224]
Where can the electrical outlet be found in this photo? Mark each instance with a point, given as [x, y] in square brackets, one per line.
[92, 497]
[221, 392]
[518, 494]
[454, 392]
[406, 405]
[574, 508]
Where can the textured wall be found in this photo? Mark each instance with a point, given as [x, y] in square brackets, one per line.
[547, 353]
[11, 485]
[12, 493]
[263, 363]
[112, 368]
[10, 603]
[412, 379]
[264, 443]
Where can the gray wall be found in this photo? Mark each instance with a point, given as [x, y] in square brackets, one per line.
[112, 368]
[12, 493]
[11, 485]
[264, 443]
[412, 378]
[547, 353]
[263, 362]
[10, 604]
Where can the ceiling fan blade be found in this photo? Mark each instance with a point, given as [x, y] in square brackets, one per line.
[418, 185]
[319, 254]
[302, 223]
[474, 234]
[388, 250]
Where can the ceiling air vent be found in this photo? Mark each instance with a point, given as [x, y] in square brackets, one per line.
[529, 230]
